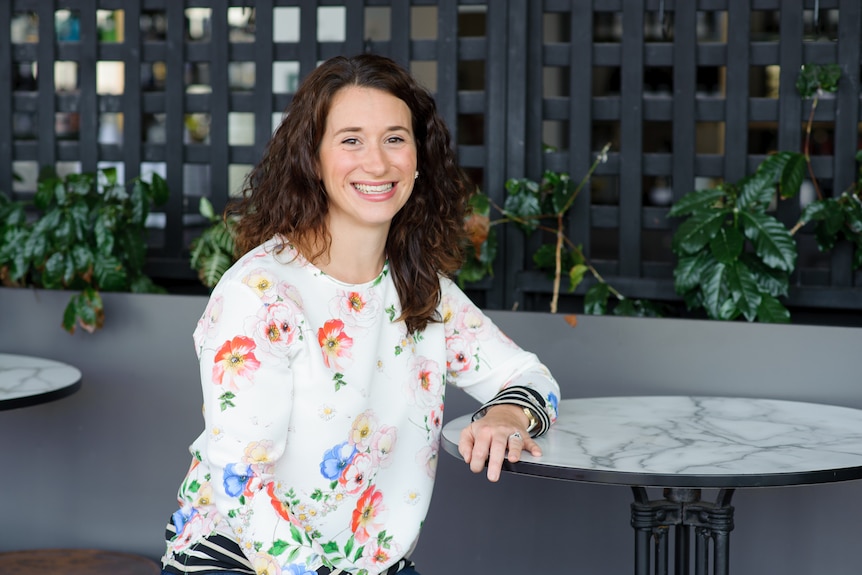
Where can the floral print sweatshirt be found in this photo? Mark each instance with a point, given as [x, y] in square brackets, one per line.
[323, 415]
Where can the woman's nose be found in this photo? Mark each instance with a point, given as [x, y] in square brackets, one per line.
[375, 161]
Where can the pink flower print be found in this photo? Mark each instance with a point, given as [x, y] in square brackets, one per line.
[289, 292]
[362, 429]
[189, 531]
[382, 445]
[447, 311]
[368, 516]
[427, 386]
[435, 420]
[459, 355]
[263, 283]
[275, 327]
[356, 476]
[265, 564]
[334, 343]
[257, 454]
[235, 363]
[376, 557]
[427, 458]
[209, 320]
[471, 321]
[355, 308]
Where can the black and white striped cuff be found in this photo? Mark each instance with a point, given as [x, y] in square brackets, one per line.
[524, 397]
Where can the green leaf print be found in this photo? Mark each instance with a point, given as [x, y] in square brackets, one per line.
[348, 547]
[331, 547]
[398, 350]
[358, 554]
[391, 312]
[295, 534]
[317, 495]
[225, 399]
[294, 553]
[278, 547]
[194, 486]
[338, 378]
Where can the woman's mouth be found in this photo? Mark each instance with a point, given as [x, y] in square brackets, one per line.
[376, 189]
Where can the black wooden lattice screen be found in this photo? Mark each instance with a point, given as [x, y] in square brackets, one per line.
[676, 86]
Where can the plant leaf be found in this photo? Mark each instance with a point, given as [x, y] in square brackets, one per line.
[695, 232]
[159, 189]
[689, 271]
[772, 311]
[772, 242]
[769, 280]
[576, 276]
[727, 244]
[715, 290]
[792, 176]
[596, 299]
[696, 201]
[743, 289]
[109, 273]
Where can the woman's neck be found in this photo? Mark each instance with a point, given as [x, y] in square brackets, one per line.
[353, 259]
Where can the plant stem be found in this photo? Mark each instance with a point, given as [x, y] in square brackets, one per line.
[806, 145]
[558, 263]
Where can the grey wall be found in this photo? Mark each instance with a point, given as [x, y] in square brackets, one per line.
[100, 468]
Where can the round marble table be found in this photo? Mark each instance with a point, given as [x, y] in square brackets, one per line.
[685, 444]
[27, 380]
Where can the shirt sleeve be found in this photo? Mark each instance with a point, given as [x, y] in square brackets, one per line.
[489, 366]
[244, 348]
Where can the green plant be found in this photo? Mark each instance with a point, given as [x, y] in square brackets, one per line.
[212, 253]
[734, 258]
[529, 205]
[84, 232]
[715, 271]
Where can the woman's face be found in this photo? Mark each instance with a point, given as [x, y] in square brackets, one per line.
[367, 159]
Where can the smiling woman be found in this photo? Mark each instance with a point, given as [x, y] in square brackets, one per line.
[325, 349]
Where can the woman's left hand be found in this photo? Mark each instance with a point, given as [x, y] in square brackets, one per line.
[487, 439]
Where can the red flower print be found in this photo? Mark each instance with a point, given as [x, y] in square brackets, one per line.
[279, 505]
[368, 515]
[334, 343]
[235, 363]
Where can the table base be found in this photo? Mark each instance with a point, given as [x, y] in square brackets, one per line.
[683, 510]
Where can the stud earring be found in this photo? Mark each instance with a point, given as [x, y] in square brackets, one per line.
[416, 175]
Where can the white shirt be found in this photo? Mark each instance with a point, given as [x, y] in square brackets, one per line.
[322, 415]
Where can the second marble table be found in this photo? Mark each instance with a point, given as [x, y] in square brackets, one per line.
[684, 445]
[26, 380]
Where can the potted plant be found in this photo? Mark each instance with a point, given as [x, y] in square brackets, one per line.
[84, 232]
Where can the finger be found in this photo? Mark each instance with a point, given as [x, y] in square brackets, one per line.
[533, 447]
[495, 457]
[479, 454]
[516, 444]
[465, 443]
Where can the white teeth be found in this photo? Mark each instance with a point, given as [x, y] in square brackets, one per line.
[365, 189]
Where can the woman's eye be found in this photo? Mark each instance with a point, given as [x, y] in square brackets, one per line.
[350, 141]
[395, 140]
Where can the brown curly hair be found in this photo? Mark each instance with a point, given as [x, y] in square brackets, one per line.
[284, 195]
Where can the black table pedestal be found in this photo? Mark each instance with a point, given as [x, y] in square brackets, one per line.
[683, 510]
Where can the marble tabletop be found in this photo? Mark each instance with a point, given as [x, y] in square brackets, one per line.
[27, 380]
[695, 442]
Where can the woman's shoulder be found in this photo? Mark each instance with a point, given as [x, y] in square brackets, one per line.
[274, 260]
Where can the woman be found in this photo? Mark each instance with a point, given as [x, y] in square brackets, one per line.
[325, 349]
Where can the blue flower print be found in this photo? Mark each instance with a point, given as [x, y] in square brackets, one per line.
[235, 478]
[182, 516]
[554, 401]
[297, 569]
[336, 459]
